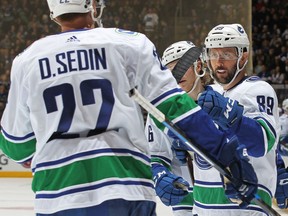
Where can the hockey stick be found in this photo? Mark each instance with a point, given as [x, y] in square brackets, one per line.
[190, 167]
[193, 147]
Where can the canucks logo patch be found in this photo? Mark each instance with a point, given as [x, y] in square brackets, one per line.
[253, 79]
[127, 32]
[240, 29]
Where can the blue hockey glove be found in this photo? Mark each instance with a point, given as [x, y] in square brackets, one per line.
[244, 184]
[180, 154]
[224, 111]
[281, 193]
[171, 189]
[283, 145]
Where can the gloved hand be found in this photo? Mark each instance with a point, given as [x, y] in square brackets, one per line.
[180, 154]
[281, 193]
[171, 189]
[224, 111]
[283, 145]
[244, 185]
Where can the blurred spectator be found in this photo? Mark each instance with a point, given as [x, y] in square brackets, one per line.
[264, 74]
[270, 37]
[277, 76]
[150, 20]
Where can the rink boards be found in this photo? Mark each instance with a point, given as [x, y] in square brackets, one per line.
[9, 168]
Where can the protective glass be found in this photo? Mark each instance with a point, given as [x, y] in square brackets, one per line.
[223, 55]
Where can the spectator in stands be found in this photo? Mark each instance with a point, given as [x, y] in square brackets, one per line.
[277, 76]
[264, 74]
[150, 20]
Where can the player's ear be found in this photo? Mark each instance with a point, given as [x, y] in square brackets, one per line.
[244, 58]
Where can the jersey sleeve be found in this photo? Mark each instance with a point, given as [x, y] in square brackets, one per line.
[159, 144]
[156, 83]
[17, 138]
[259, 129]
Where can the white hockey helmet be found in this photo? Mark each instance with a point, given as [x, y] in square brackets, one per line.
[59, 7]
[285, 105]
[175, 51]
[227, 35]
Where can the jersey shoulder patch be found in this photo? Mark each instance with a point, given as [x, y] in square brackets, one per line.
[126, 32]
[253, 79]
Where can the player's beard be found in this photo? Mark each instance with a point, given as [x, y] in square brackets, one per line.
[229, 75]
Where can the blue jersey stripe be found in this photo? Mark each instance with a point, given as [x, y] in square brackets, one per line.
[172, 91]
[92, 187]
[88, 153]
[30, 135]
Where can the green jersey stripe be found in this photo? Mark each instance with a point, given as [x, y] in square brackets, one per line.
[17, 151]
[90, 170]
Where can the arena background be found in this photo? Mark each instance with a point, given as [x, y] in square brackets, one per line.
[265, 21]
[23, 21]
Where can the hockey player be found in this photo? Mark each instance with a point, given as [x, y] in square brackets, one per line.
[281, 193]
[283, 119]
[257, 126]
[188, 72]
[70, 111]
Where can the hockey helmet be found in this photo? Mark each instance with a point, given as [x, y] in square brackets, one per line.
[227, 35]
[59, 7]
[175, 51]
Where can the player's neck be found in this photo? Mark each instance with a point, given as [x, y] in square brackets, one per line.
[77, 23]
[235, 82]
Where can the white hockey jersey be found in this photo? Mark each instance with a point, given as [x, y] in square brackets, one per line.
[161, 152]
[70, 110]
[283, 119]
[260, 102]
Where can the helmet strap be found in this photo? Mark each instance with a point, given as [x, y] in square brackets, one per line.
[98, 19]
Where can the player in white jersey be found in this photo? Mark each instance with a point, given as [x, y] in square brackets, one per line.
[69, 110]
[281, 193]
[183, 59]
[283, 119]
[227, 51]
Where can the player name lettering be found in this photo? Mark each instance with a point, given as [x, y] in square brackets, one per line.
[72, 61]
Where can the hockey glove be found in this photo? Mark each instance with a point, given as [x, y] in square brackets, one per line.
[224, 111]
[171, 189]
[281, 193]
[283, 145]
[180, 154]
[244, 184]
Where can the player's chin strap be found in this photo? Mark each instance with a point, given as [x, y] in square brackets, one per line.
[98, 19]
[198, 76]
